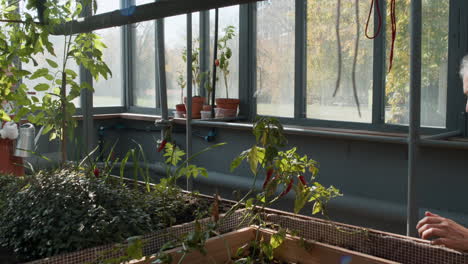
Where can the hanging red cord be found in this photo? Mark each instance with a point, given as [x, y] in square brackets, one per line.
[394, 30]
[356, 52]
[338, 44]
[377, 7]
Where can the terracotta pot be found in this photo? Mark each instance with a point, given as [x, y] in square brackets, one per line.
[206, 107]
[197, 105]
[226, 103]
[180, 108]
[229, 105]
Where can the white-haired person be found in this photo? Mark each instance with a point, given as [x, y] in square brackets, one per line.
[445, 231]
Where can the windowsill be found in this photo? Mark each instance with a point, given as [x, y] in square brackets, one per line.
[127, 116]
[324, 132]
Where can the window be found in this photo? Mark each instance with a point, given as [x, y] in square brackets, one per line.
[275, 58]
[228, 17]
[434, 65]
[175, 44]
[110, 92]
[144, 64]
[322, 62]
[276, 62]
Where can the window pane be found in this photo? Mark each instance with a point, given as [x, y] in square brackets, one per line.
[110, 92]
[322, 62]
[228, 16]
[175, 43]
[434, 65]
[275, 58]
[144, 71]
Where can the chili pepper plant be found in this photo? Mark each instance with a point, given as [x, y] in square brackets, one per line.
[285, 172]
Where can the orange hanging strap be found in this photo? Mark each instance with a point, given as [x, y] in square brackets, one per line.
[379, 27]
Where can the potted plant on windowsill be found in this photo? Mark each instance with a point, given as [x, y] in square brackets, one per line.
[227, 106]
[197, 100]
[205, 80]
[180, 108]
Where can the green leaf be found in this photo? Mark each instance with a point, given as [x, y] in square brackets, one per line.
[5, 116]
[317, 208]
[52, 63]
[39, 73]
[22, 73]
[277, 239]
[253, 159]
[52, 136]
[72, 73]
[123, 163]
[42, 87]
[9, 9]
[249, 203]
[236, 162]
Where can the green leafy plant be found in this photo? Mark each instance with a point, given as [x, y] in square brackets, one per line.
[225, 54]
[283, 168]
[63, 211]
[182, 83]
[197, 73]
[284, 171]
[23, 40]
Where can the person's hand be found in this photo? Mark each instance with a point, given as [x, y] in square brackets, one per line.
[445, 231]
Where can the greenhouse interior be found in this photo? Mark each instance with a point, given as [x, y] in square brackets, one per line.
[116, 114]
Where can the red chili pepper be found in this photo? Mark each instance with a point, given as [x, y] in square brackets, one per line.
[162, 145]
[303, 180]
[217, 63]
[96, 172]
[268, 177]
[288, 188]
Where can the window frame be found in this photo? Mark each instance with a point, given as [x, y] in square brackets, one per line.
[457, 47]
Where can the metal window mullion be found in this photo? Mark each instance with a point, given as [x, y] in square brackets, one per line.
[379, 68]
[189, 96]
[247, 58]
[127, 55]
[161, 68]
[157, 72]
[86, 99]
[300, 60]
[415, 117]
[204, 29]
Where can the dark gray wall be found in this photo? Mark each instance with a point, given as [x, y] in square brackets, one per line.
[372, 176]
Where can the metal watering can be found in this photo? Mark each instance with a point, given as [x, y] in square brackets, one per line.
[27, 140]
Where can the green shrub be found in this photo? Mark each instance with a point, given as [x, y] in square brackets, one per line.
[65, 211]
[9, 185]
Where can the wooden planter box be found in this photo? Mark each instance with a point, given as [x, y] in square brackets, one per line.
[292, 250]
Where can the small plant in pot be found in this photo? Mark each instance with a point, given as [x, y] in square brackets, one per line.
[228, 106]
[197, 100]
[180, 108]
[205, 81]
